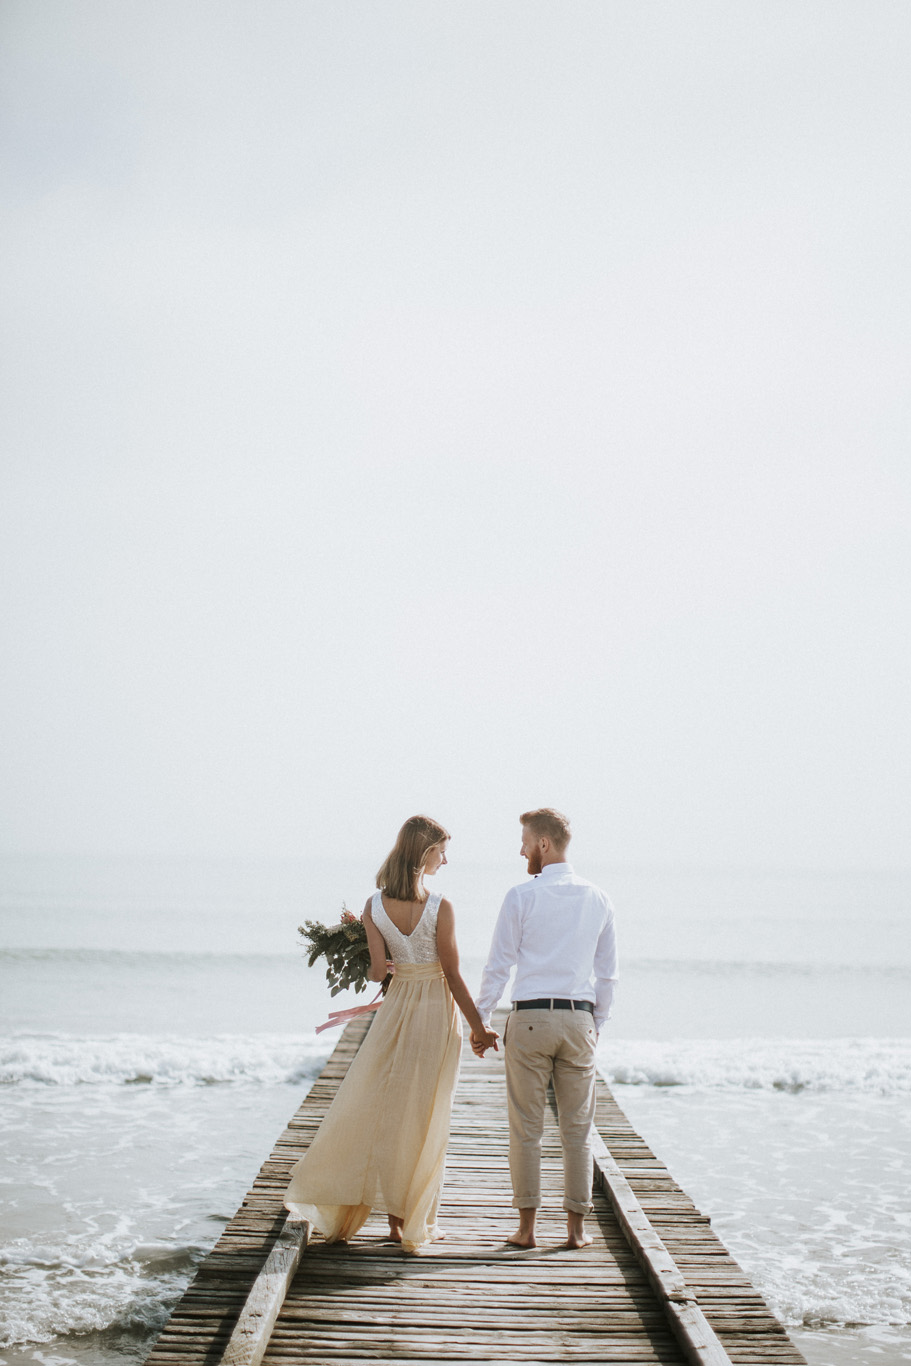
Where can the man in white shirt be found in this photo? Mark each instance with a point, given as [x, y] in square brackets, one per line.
[558, 932]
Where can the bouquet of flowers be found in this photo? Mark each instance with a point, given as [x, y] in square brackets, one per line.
[344, 947]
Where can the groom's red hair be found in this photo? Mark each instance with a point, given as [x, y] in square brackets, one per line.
[547, 823]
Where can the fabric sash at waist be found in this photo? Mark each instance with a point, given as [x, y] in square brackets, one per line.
[404, 972]
[418, 972]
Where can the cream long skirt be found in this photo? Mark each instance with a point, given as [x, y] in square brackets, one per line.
[382, 1145]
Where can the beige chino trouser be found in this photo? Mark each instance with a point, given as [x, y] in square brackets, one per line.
[541, 1046]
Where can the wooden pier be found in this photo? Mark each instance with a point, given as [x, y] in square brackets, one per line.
[656, 1286]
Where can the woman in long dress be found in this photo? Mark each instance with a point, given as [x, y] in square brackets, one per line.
[382, 1144]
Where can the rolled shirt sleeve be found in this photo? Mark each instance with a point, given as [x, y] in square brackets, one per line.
[504, 952]
[606, 971]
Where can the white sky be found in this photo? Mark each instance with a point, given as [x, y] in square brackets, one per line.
[457, 406]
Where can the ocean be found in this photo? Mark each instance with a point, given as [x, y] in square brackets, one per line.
[157, 1031]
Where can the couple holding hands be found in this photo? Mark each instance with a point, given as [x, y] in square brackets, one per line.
[382, 1145]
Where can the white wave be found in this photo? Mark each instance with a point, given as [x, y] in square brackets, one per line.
[845, 1268]
[882, 1066]
[159, 1060]
[808, 1295]
[88, 1285]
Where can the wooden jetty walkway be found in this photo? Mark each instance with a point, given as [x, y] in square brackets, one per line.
[656, 1286]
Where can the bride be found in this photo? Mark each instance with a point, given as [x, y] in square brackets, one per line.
[382, 1144]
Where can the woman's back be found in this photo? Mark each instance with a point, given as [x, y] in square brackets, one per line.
[420, 946]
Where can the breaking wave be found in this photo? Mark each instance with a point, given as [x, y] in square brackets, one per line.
[880, 1066]
[159, 1060]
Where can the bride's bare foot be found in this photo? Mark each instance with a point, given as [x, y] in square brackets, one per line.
[395, 1229]
[575, 1232]
[524, 1235]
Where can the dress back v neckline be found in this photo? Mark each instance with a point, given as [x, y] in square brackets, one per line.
[416, 923]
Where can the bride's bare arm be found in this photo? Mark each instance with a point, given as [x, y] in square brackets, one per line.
[449, 961]
[377, 946]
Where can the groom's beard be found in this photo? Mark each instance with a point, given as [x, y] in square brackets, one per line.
[534, 862]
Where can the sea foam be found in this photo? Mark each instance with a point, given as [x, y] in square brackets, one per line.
[881, 1066]
[87, 1285]
[159, 1060]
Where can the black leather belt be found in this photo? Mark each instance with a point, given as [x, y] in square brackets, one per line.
[554, 1003]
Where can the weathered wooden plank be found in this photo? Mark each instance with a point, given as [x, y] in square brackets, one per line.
[232, 1274]
[701, 1345]
[473, 1298]
[251, 1334]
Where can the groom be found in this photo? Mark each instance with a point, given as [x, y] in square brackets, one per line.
[558, 932]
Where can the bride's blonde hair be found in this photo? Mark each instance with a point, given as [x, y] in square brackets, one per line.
[400, 875]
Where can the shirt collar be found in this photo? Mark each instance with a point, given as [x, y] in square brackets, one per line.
[555, 870]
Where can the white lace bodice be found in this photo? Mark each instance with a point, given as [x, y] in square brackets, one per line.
[418, 947]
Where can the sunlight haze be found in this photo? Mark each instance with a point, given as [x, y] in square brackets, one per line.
[456, 407]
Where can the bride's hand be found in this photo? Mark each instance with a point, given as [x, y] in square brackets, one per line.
[480, 1043]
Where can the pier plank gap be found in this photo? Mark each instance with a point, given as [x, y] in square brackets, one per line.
[656, 1286]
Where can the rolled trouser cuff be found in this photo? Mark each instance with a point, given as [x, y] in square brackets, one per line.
[576, 1207]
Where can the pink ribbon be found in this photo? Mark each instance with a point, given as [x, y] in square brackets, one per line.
[340, 1017]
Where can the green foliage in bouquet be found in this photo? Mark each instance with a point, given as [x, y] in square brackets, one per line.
[344, 947]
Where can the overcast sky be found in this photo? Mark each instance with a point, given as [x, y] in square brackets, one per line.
[457, 406]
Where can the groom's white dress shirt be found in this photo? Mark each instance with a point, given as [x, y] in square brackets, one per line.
[558, 932]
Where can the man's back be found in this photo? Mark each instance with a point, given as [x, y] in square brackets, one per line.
[558, 930]
[558, 933]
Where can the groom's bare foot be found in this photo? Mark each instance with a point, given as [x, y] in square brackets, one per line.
[524, 1235]
[579, 1240]
[575, 1232]
[517, 1240]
